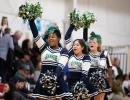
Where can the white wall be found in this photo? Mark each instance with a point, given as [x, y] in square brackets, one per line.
[113, 17]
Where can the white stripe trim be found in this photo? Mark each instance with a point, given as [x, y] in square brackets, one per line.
[107, 90]
[61, 65]
[93, 94]
[65, 55]
[68, 41]
[37, 38]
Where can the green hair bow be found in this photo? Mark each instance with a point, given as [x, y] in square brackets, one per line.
[52, 29]
[98, 37]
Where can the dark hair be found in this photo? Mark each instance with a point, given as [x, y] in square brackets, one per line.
[25, 44]
[2, 20]
[9, 94]
[58, 34]
[7, 30]
[83, 44]
[124, 77]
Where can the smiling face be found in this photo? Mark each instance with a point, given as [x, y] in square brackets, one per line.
[77, 48]
[94, 45]
[53, 40]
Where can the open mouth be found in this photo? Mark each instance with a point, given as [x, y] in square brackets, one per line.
[74, 49]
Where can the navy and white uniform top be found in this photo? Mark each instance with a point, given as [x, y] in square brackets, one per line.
[49, 56]
[98, 60]
[76, 64]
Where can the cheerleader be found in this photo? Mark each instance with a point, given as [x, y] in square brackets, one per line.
[98, 62]
[53, 58]
[78, 66]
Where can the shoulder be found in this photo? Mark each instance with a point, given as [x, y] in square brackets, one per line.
[86, 57]
[18, 96]
[63, 50]
[102, 55]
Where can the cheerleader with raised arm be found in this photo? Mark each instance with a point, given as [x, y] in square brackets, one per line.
[97, 69]
[50, 83]
[53, 59]
[78, 66]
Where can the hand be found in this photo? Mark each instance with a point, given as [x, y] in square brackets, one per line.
[30, 95]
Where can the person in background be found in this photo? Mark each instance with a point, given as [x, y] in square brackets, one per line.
[22, 73]
[25, 61]
[26, 45]
[114, 69]
[117, 65]
[37, 71]
[117, 92]
[19, 82]
[17, 49]
[6, 43]
[126, 85]
[4, 24]
[11, 93]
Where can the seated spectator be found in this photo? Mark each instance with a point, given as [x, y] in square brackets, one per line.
[10, 92]
[117, 93]
[126, 85]
[22, 71]
[117, 65]
[19, 82]
[25, 61]
[25, 91]
[37, 72]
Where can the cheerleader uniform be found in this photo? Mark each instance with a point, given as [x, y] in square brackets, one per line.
[78, 68]
[52, 61]
[97, 72]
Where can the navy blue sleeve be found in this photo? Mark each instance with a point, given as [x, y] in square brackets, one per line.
[38, 39]
[63, 58]
[65, 70]
[85, 34]
[68, 42]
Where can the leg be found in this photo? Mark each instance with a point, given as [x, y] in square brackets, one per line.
[40, 99]
[2, 70]
[87, 99]
[58, 99]
[99, 97]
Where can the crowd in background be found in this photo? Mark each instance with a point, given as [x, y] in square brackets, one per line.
[20, 68]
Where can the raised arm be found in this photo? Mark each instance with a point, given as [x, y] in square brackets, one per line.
[39, 41]
[68, 43]
[85, 34]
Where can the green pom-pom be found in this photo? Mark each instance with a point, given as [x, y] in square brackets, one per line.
[30, 11]
[87, 19]
[75, 18]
